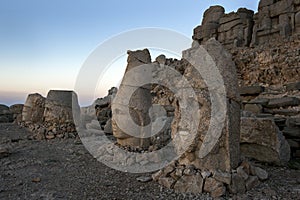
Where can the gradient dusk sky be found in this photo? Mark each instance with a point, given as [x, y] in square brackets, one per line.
[43, 43]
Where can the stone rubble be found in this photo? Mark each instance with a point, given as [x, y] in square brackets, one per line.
[11, 114]
[265, 48]
[98, 116]
[51, 117]
[277, 108]
[216, 183]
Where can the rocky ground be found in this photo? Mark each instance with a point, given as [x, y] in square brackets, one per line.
[63, 169]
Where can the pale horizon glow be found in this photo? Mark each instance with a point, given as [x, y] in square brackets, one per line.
[45, 43]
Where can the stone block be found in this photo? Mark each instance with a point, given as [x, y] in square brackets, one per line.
[262, 140]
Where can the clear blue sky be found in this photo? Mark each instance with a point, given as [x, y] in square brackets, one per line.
[43, 43]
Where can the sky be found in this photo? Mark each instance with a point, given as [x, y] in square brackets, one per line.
[44, 43]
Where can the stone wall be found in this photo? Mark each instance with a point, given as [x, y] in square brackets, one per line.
[51, 117]
[280, 104]
[275, 20]
[267, 62]
[233, 29]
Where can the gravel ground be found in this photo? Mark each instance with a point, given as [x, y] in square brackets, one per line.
[63, 169]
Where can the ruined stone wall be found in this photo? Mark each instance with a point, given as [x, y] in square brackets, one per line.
[282, 106]
[232, 30]
[51, 117]
[265, 48]
[275, 20]
[264, 45]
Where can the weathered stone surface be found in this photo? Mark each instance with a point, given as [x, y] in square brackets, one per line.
[59, 107]
[108, 127]
[161, 59]
[252, 182]
[242, 173]
[210, 24]
[17, 110]
[139, 104]
[214, 187]
[4, 109]
[285, 117]
[189, 170]
[102, 107]
[192, 184]
[225, 155]
[51, 117]
[262, 140]
[222, 177]
[33, 110]
[260, 101]
[283, 102]
[251, 90]
[260, 173]
[274, 59]
[246, 166]
[254, 108]
[232, 30]
[168, 182]
[5, 114]
[237, 185]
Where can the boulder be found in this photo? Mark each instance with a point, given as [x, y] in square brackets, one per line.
[4, 109]
[5, 114]
[254, 108]
[108, 127]
[214, 187]
[33, 110]
[17, 110]
[191, 184]
[262, 140]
